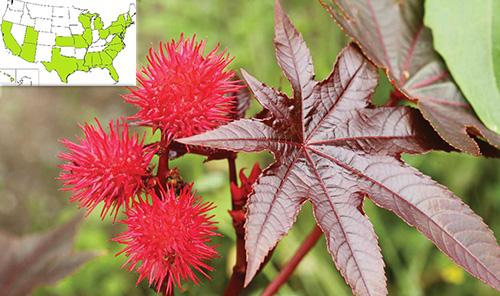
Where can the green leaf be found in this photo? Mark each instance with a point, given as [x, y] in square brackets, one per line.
[496, 41]
[466, 36]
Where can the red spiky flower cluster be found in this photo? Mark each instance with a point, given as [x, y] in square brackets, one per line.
[105, 167]
[182, 92]
[167, 238]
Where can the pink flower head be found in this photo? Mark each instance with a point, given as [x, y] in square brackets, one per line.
[167, 238]
[182, 92]
[109, 168]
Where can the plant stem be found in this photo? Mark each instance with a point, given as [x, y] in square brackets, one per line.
[233, 178]
[237, 280]
[289, 268]
[163, 168]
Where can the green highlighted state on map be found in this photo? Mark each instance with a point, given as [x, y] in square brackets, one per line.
[28, 50]
[64, 66]
[9, 40]
[95, 48]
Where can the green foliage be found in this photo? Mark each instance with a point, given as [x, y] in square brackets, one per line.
[467, 35]
[496, 41]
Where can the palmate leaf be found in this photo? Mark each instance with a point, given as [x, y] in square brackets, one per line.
[333, 148]
[393, 36]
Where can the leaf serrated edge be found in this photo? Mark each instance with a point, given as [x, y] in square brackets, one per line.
[392, 80]
[249, 276]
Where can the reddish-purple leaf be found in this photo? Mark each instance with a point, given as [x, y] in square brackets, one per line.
[332, 147]
[292, 54]
[39, 259]
[392, 34]
[350, 237]
[242, 102]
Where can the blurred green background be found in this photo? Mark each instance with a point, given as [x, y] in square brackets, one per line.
[32, 120]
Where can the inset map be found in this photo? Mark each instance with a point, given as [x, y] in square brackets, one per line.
[19, 77]
[69, 42]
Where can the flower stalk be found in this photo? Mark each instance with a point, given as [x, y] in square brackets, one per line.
[163, 168]
[237, 213]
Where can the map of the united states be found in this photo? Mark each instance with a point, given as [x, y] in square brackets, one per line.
[64, 39]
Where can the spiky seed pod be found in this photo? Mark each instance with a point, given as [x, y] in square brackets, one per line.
[168, 238]
[108, 168]
[182, 92]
